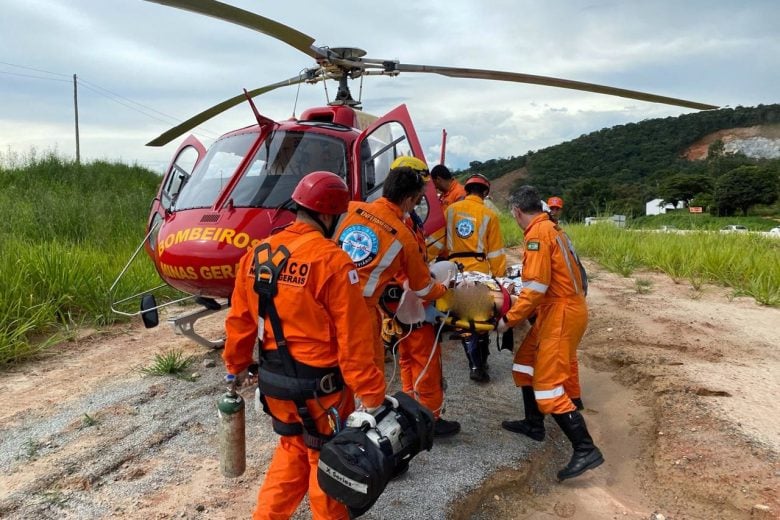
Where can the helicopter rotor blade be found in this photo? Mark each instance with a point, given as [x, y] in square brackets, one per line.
[207, 114]
[228, 13]
[517, 77]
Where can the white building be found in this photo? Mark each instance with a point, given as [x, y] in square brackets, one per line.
[657, 207]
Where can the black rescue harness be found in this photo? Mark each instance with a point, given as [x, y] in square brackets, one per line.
[280, 375]
[469, 254]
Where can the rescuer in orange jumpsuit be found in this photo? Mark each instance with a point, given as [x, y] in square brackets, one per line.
[382, 245]
[450, 190]
[572, 385]
[321, 314]
[474, 240]
[556, 208]
[419, 352]
[553, 288]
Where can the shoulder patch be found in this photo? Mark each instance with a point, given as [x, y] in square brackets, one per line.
[361, 244]
[533, 245]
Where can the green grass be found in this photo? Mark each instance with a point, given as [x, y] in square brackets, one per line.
[748, 263]
[67, 231]
[682, 220]
[643, 285]
[172, 362]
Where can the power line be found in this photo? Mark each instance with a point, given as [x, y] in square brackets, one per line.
[34, 77]
[97, 89]
[85, 82]
[88, 87]
[36, 70]
[126, 105]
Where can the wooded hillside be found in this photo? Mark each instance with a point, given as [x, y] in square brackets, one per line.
[619, 169]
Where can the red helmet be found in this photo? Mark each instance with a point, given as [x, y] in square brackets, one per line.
[480, 179]
[323, 192]
[555, 202]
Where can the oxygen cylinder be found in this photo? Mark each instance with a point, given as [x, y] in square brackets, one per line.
[232, 437]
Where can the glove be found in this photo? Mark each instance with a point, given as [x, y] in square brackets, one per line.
[365, 416]
[433, 315]
[502, 326]
[389, 402]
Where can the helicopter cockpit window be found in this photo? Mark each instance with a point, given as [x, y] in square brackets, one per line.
[281, 161]
[179, 175]
[422, 209]
[377, 153]
[214, 171]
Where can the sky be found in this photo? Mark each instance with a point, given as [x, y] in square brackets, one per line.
[145, 67]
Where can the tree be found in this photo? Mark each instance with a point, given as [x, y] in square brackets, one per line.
[682, 187]
[587, 197]
[743, 187]
[716, 149]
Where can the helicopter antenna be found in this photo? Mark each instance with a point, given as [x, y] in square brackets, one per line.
[327, 94]
[261, 120]
[297, 93]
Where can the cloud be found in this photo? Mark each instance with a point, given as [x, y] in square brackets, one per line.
[176, 63]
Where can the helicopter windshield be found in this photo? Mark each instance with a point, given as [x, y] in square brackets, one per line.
[214, 172]
[281, 161]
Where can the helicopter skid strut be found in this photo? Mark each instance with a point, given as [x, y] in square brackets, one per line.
[184, 325]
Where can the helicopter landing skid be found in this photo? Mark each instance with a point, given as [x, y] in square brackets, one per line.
[184, 325]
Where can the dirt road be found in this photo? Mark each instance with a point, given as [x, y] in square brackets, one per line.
[680, 387]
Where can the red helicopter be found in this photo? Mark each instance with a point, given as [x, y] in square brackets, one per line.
[213, 205]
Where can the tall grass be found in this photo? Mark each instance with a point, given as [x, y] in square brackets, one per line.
[701, 221]
[67, 232]
[748, 263]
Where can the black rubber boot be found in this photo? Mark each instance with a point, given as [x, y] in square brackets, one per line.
[483, 349]
[533, 424]
[477, 361]
[479, 375]
[578, 403]
[444, 428]
[586, 455]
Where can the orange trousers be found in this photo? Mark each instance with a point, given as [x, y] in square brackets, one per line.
[379, 346]
[293, 469]
[413, 354]
[547, 357]
[293, 472]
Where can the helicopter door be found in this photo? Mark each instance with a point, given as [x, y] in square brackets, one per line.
[375, 150]
[184, 161]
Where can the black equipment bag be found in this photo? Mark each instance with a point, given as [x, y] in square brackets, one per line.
[354, 468]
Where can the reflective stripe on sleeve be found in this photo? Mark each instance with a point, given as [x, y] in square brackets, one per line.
[524, 369]
[565, 253]
[450, 227]
[425, 290]
[535, 286]
[549, 394]
[481, 235]
[384, 263]
[496, 253]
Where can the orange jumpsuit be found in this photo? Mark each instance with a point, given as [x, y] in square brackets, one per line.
[414, 351]
[322, 312]
[382, 246]
[552, 286]
[472, 227]
[455, 193]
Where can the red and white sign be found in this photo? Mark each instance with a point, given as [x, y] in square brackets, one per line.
[695, 209]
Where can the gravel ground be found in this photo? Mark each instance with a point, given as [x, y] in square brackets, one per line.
[127, 444]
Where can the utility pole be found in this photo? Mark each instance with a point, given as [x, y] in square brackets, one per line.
[76, 110]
